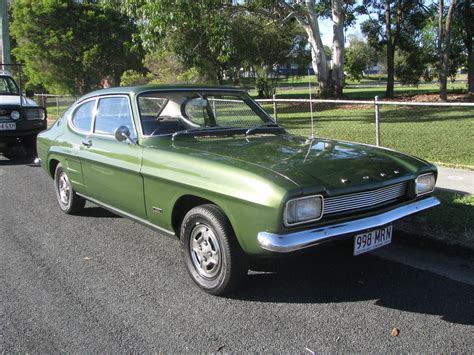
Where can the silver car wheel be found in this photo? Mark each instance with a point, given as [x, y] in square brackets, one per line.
[64, 188]
[205, 251]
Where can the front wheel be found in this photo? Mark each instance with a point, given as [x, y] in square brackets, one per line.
[211, 252]
[69, 201]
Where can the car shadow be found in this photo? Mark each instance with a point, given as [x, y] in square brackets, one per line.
[333, 277]
[17, 159]
[97, 212]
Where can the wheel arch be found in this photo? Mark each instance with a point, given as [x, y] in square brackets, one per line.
[187, 202]
[52, 164]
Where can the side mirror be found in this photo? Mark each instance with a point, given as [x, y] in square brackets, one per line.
[29, 93]
[122, 134]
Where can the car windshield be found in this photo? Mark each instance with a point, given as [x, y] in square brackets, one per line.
[164, 113]
[8, 86]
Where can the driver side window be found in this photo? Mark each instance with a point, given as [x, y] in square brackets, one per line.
[112, 113]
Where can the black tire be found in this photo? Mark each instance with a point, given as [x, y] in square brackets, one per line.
[69, 201]
[219, 266]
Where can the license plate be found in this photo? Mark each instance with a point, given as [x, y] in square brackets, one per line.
[8, 126]
[372, 240]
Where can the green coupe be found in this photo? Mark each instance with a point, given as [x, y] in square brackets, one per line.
[210, 166]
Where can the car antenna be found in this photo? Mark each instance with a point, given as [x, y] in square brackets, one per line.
[311, 107]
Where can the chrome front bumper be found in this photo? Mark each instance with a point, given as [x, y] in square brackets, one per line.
[284, 243]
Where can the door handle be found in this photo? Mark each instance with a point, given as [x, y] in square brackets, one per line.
[86, 142]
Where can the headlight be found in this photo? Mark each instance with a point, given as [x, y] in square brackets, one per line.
[303, 210]
[424, 184]
[35, 114]
[15, 115]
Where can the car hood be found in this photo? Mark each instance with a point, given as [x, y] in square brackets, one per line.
[15, 100]
[317, 165]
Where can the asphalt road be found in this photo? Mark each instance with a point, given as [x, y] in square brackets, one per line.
[100, 283]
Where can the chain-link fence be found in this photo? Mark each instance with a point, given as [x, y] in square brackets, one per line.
[438, 132]
[55, 105]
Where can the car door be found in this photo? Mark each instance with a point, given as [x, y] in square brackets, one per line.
[111, 168]
[81, 124]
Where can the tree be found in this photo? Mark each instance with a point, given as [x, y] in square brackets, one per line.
[463, 27]
[196, 31]
[161, 67]
[64, 47]
[338, 18]
[307, 14]
[359, 56]
[409, 67]
[262, 47]
[444, 45]
[398, 25]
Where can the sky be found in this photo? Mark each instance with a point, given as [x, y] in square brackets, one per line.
[326, 29]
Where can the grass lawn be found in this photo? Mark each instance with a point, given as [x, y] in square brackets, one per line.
[365, 92]
[450, 223]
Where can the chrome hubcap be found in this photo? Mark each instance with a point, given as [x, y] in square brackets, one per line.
[205, 251]
[64, 188]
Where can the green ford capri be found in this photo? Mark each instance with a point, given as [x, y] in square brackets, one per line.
[209, 166]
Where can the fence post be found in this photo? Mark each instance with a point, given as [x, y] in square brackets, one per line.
[275, 108]
[377, 121]
[57, 106]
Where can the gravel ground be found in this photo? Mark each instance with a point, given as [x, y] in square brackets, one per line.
[100, 283]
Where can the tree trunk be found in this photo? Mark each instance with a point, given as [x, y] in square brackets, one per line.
[338, 17]
[390, 51]
[444, 45]
[318, 58]
[468, 41]
[443, 95]
[470, 66]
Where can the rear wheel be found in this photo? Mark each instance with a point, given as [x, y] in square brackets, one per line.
[69, 201]
[211, 252]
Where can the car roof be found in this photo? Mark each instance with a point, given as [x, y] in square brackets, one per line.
[136, 90]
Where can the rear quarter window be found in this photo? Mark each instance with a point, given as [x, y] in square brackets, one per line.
[82, 117]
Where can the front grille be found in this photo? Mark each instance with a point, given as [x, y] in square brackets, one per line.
[364, 199]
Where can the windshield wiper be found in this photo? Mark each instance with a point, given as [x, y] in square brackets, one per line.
[206, 131]
[265, 128]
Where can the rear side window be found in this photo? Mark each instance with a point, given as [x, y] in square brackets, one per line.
[82, 118]
[112, 113]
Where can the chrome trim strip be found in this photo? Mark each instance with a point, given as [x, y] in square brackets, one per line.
[127, 215]
[285, 243]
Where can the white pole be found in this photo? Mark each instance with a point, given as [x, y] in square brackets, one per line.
[5, 34]
[377, 121]
[311, 106]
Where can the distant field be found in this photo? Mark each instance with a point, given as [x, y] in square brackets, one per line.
[367, 88]
[364, 92]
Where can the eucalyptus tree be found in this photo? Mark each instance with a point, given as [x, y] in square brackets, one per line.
[393, 24]
[463, 28]
[444, 44]
[308, 13]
